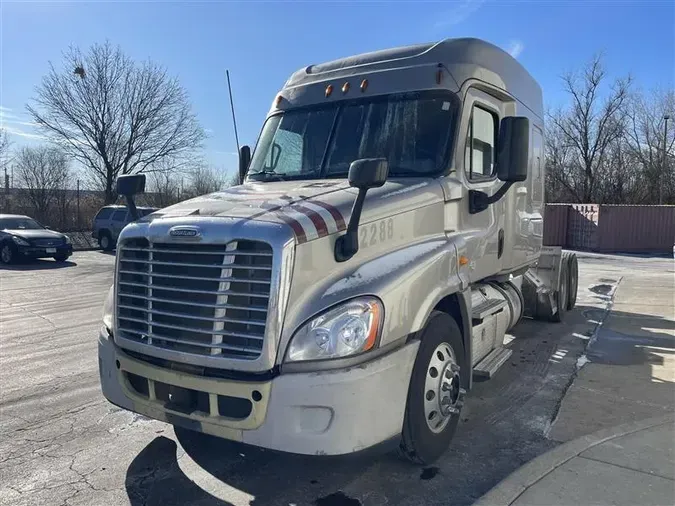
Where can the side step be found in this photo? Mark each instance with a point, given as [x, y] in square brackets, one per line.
[487, 367]
[487, 308]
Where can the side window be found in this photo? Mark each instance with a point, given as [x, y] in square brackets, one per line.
[119, 215]
[104, 214]
[481, 142]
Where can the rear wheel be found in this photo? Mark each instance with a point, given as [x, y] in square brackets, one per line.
[7, 253]
[573, 279]
[561, 295]
[61, 258]
[435, 395]
[105, 241]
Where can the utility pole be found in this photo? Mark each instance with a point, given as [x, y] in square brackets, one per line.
[665, 158]
[78, 204]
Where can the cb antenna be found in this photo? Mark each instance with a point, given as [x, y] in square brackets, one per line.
[234, 119]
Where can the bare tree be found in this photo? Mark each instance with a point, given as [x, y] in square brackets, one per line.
[42, 175]
[205, 179]
[5, 145]
[114, 115]
[580, 137]
[164, 188]
[648, 140]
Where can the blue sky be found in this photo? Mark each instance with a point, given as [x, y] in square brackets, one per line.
[262, 43]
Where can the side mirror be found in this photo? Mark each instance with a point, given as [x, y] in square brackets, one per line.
[513, 149]
[513, 153]
[244, 161]
[130, 185]
[368, 173]
[363, 174]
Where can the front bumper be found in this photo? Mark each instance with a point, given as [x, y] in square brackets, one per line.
[43, 252]
[317, 413]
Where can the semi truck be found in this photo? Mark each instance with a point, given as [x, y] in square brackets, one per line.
[386, 236]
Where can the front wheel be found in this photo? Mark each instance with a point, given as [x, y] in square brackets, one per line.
[61, 258]
[6, 254]
[105, 241]
[435, 395]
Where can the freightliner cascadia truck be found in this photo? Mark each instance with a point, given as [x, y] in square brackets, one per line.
[385, 237]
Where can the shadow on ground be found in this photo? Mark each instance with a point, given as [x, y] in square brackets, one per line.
[37, 265]
[503, 426]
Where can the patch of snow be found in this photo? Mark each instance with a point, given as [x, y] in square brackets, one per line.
[582, 361]
[384, 265]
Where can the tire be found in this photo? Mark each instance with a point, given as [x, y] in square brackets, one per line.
[573, 279]
[419, 442]
[561, 295]
[7, 254]
[105, 241]
[61, 258]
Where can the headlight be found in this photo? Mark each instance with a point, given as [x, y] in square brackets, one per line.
[67, 239]
[19, 241]
[348, 329]
[108, 309]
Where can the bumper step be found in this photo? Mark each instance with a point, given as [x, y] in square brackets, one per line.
[487, 367]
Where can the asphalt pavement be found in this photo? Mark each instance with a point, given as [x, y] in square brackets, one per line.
[61, 442]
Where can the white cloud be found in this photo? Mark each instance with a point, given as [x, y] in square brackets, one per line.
[459, 13]
[230, 153]
[208, 131]
[2, 108]
[515, 48]
[4, 115]
[22, 133]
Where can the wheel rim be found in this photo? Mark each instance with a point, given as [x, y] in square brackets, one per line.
[443, 395]
[6, 254]
[104, 242]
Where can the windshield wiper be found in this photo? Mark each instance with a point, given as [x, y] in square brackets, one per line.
[268, 172]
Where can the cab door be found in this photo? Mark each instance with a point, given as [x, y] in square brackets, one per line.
[477, 169]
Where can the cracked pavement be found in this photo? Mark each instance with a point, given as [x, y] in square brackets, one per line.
[62, 443]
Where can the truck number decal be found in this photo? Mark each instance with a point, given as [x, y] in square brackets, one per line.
[375, 233]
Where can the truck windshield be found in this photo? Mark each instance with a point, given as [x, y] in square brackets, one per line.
[412, 131]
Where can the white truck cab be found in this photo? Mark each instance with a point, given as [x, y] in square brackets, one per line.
[386, 235]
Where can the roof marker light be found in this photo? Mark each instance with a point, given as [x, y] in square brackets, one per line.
[277, 101]
[364, 85]
[345, 87]
[329, 90]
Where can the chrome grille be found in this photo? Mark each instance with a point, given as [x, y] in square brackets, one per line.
[202, 299]
[46, 242]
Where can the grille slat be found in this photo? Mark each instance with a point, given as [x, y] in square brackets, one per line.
[259, 323]
[217, 306]
[199, 299]
[188, 252]
[187, 290]
[185, 264]
[196, 278]
[160, 337]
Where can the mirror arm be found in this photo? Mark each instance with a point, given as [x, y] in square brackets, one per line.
[347, 245]
[479, 201]
[132, 207]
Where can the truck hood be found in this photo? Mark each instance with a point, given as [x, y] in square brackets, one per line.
[312, 209]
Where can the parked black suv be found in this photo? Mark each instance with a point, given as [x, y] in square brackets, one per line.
[23, 237]
[109, 222]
